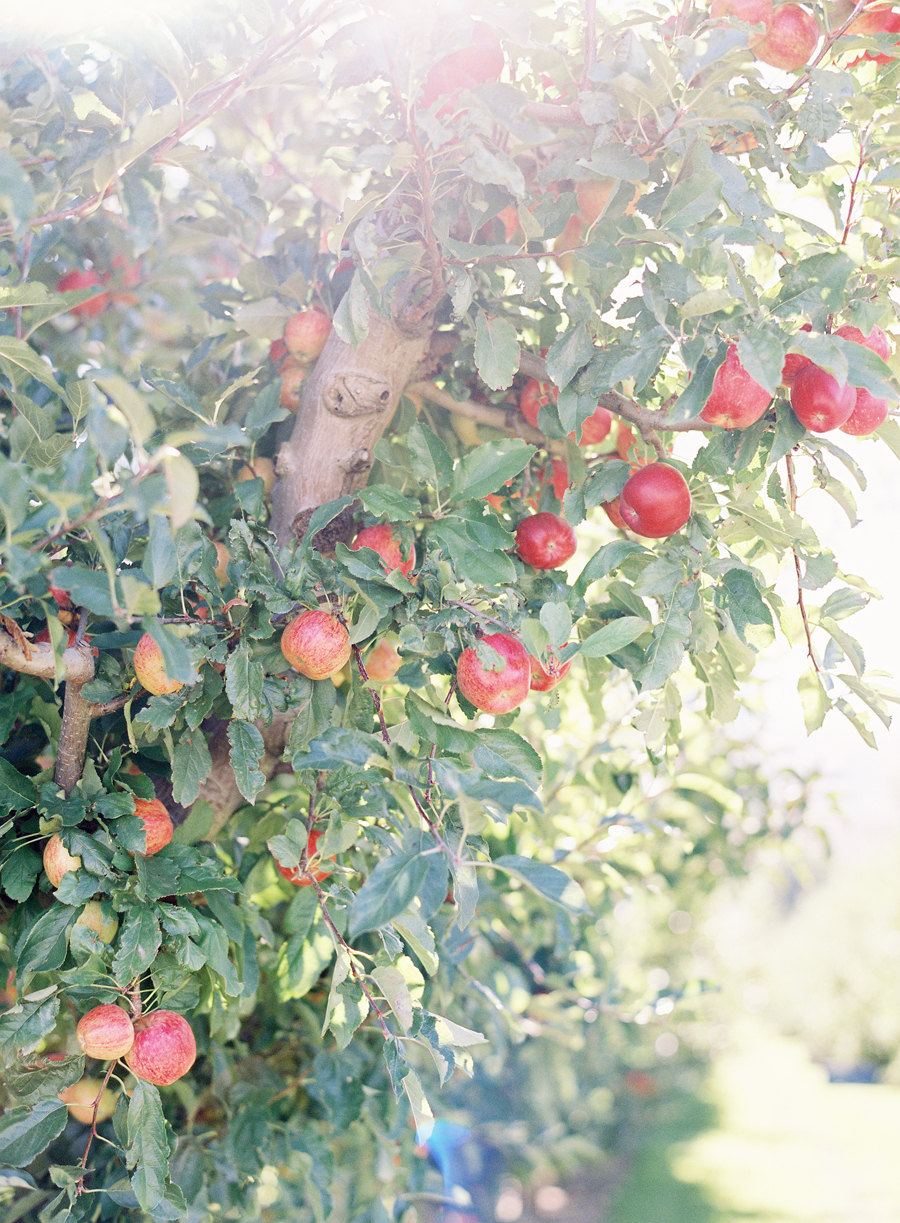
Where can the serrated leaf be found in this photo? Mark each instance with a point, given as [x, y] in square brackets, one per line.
[488, 467]
[387, 891]
[670, 639]
[17, 791]
[25, 1132]
[148, 1149]
[431, 459]
[568, 354]
[25, 1025]
[612, 637]
[247, 749]
[605, 560]
[18, 358]
[813, 699]
[244, 680]
[496, 351]
[44, 944]
[191, 765]
[546, 880]
[139, 941]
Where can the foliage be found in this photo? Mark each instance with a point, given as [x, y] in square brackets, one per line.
[217, 179]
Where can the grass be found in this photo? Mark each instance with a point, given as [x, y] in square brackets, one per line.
[769, 1140]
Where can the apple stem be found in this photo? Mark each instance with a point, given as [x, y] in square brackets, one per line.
[792, 485]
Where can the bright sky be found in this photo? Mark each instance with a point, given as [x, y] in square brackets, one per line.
[57, 17]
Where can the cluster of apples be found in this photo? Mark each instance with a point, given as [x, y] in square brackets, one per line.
[790, 36]
[125, 275]
[302, 341]
[158, 829]
[158, 1047]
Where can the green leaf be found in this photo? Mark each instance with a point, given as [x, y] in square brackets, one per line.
[191, 765]
[692, 200]
[43, 946]
[17, 791]
[604, 561]
[487, 468]
[670, 639]
[25, 1132]
[503, 753]
[557, 620]
[313, 703]
[387, 891]
[336, 747]
[20, 871]
[472, 563]
[546, 880]
[244, 680]
[247, 749]
[612, 637]
[139, 941]
[148, 1149]
[26, 1024]
[739, 596]
[814, 700]
[569, 353]
[20, 362]
[37, 1079]
[496, 351]
[431, 459]
[435, 725]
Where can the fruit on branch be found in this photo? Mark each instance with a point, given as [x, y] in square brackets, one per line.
[593, 196]
[82, 279]
[381, 539]
[614, 514]
[164, 1048]
[876, 340]
[303, 877]
[794, 362]
[655, 501]
[292, 380]
[542, 680]
[261, 468]
[879, 19]
[80, 1097]
[819, 401]
[751, 11]
[58, 861]
[305, 334]
[277, 351]
[736, 399]
[495, 691]
[157, 823]
[223, 555]
[383, 661]
[558, 474]
[482, 60]
[150, 670]
[91, 917]
[868, 413]
[535, 395]
[316, 644]
[106, 1032]
[545, 541]
[789, 40]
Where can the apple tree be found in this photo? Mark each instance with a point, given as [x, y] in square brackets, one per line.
[406, 415]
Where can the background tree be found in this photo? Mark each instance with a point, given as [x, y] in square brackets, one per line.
[278, 279]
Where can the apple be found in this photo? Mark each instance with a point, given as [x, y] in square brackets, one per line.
[876, 340]
[868, 413]
[751, 11]
[497, 691]
[305, 334]
[593, 196]
[568, 240]
[535, 395]
[81, 279]
[81, 1097]
[558, 474]
[880, 19]
[91, 916]
[545, 541]
[316, 644]
[301, 876]
[596, 427]
[383, 661]
[126, 274]
[381, 539]
[262, 468]
[58, 861]
[157, 823]
[164, 1048]
[613, 513]
[106, 1032]
[277, 351]
[150, 670]
[820, 402]
[482, 60]
[223, 555]
[543, 680]
[794, 362]
[736, 399]
[655, 501]
[292, 380]
[789, 40]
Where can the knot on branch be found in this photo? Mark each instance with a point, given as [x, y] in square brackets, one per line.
[356, 394]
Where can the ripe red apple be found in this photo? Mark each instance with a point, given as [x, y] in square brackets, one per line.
[614, 514]
[157, 823]
[383, 661]
[277, 351]
[543, 680]
[495, 691]
[482, 60]
[80, 1097]
[82, 279]
[879, 19]
[736, 399]
[300, 877]
[316, 644]
[794, 362]
[305, 334]
[655, 501]
[789, 40]
[91, 916]
[545, 541]
[164, 1048]
[558, 473]
[58, 861]
[106, 1032]
[867, 414]
[381, 539]
[150, 670]
[535, 395]
[876, 340]
[751, 11]
[819, 401]
[291, 382]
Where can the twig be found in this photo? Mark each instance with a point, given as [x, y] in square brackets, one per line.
[79, 1184]
[376, 699]
[792, 485]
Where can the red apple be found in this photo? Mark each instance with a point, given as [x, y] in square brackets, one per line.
[880, 19]
[789, 40]
[381, 539]
[82, 279]
[302, 877]
[495, 691]
[92, 918]
[533, 396]
[482, 60]
[150, 670]
[543, 680]
[383, 661]
[545, 541]
[613, 513]
[291, 382]
[736, 399]
[751, 11]
[223, 556]
[157, 823]
[868, 413]
[58, 861]
[277, 351]
[794, 362]
[106, 1032]
[305, 334]
[164, 1048]
[876, 340]
[655, 501]
[316, 644]
[819, 401]
[80, 1099]
[559, 477]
